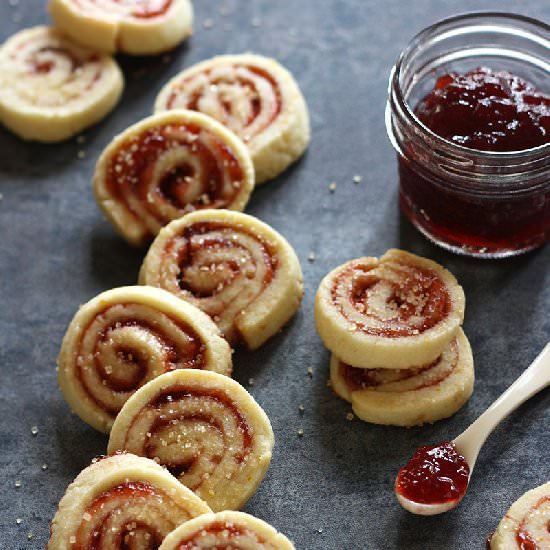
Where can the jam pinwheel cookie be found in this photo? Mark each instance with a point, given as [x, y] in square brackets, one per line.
[231, 265]
[253, 96]
[226, 530]
[122, 501]
[127, 336]
[525, 525]
[51, 88]
[408, 397]
[205, 428]
[139, 27]
[394, 312]
[166, 166]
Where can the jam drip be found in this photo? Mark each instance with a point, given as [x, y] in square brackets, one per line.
[488, 111]
[434, 475]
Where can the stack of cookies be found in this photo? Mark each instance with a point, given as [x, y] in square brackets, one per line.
[393, 325]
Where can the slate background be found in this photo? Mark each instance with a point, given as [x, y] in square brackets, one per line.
[332, 488]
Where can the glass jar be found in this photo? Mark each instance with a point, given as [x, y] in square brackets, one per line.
[478, 203]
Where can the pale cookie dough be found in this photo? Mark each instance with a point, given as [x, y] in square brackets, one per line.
[205, 428]
[525, 525]
[138, 27]
[166, 166]
[234, 267]
[396, 312]
[408, 397]
[226, 530]
[127, 336]
[253, 96]
[122, 501]
[51, 88]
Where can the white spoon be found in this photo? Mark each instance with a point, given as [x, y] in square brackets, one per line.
[470, 441]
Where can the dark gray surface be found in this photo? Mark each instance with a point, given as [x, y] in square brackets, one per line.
[332, 488]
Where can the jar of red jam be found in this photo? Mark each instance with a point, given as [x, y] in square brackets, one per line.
[469, 116]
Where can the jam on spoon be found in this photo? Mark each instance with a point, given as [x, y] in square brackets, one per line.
[434, 475]
[436, 478]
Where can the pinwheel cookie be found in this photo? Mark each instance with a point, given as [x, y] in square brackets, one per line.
[525, 525]
[127, 336]
[140, 27]
[234, 267]
[226, 530]
[205, 428]
[166, 166]
[396, 312]
[252, 95]
[408, 397]
[51, 88]
[122, 501]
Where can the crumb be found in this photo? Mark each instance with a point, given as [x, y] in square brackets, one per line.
[311, 257]
[44, 467]
[207, 24]
[18, 521]
[17, 483]
[301, 408]
[81, 154]
[332, 187]
[349, 417]
[34, 430]
[251, 381]
[300, 432]
[310, 372]
[357, 178]
[29, 536]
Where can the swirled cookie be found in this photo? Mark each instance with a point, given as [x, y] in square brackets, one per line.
[51, 88]
[234, 267]
[127, 336]
[253, 96]
[205, 428]
[396, 312]
[166, 166]
[139, 27]
[525, 525]
[226, 530]
[120, 502]
[408, 397]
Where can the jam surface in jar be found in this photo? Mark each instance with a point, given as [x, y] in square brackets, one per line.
[485, 111]
[434, 475]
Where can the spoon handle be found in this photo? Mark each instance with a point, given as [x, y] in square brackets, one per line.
[533, 379]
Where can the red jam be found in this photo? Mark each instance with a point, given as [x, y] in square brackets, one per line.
[434, 475]
[484, 111]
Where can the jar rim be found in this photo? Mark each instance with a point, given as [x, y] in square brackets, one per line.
[434, 30]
